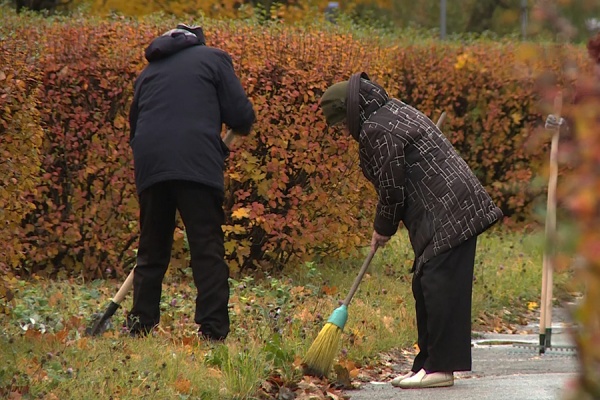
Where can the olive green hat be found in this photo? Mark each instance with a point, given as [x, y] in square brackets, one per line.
[333, 103]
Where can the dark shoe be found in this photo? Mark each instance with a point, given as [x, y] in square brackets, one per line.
[140, 333]
[209, 337]
[136, 329]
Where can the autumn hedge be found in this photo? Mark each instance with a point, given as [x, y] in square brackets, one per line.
[293, 188]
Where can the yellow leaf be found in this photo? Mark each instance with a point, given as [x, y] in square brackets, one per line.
[119, 122]
[532, 305]
[527, 52]
[55, 298]
[241, 213]
[388, 322]
[215, 373]
[235, 176]
[298, 362]
[230, 247]
[305, 315]
[461, 61]
[516, 117]
[82, 344]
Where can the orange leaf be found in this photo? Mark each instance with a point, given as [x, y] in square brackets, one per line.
[329, 290]
[183, 385]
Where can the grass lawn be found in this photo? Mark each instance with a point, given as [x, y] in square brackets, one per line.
[45, 353]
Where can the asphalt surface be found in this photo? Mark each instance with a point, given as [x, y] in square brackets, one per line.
[504, 367]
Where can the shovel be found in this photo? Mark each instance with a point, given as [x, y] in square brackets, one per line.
[101, 322]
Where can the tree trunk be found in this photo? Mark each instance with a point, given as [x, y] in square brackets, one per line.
[36, 5]
[482, 14]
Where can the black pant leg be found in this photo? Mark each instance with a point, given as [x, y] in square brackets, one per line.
[157, 224]
[447, 283]
[201, 208]
[421, 313]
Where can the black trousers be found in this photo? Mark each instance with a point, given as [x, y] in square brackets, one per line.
[442, 294]
[201, 209]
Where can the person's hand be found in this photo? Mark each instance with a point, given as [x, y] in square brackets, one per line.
[553, 122]
[378, 240]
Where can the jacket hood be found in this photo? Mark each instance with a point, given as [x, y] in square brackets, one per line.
[364, 98]
[174, 41]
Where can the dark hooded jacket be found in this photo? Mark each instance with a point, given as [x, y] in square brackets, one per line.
[182, 98]
[420, 179]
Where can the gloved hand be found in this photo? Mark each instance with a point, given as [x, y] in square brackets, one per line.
[553, 122]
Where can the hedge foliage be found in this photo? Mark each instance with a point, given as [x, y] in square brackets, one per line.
[294, 189]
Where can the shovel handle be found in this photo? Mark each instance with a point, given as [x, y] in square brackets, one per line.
[125, 287]
[228, 139]
[548, 260]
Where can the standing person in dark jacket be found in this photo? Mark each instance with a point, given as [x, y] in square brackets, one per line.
[182, 98]
[422, 182]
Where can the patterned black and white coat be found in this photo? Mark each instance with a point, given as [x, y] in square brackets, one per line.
[419, 177]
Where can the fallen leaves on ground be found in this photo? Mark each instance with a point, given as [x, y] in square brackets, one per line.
[499, 323]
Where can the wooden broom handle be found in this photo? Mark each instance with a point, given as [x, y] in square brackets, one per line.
[441, 120]
[360, 275]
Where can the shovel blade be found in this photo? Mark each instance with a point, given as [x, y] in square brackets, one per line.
[101, 322]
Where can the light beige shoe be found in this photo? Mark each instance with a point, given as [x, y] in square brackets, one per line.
[424, 380]
[396, 381]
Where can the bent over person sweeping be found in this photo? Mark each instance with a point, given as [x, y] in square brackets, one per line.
[182, 98]
[422, 182]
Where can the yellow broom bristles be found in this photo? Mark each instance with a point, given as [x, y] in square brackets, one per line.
[320, 355]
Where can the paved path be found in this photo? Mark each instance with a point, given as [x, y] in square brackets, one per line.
[505, 367]
[546, 386]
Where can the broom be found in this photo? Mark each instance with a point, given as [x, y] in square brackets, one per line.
[101, 321]
[320, 355]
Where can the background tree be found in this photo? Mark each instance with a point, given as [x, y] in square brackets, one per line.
[482, 14]
[502, 17]
[498, 16]
[40, 5]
